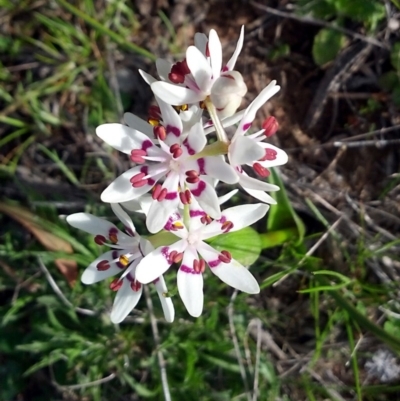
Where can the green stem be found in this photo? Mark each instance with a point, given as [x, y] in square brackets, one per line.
[186, 216]
[219, 129]
[101, 28]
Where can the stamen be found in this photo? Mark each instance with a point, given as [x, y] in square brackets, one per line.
[156, 191]
[260, 170]
[137, 180]
[225, 257]
[177, 226]
[227, 226]
[206, 219]
[136, 286]
[116, 284]
[113, 235]
[182, 197]
[137, 156]
[199, 266]
[154, 122]
[124, 260]
[270, 126]
[103, 265]
[162, 195]
[100, 239]
[177, 257]
[175, 150]
[160, 132]
[178, 72]
[154, 112]
[270, 154]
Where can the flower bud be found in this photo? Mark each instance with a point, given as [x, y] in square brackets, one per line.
[227, 93]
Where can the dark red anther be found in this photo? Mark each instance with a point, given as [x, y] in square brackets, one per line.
[206, 219]
[156, 191]
[199, 265]
[182, 197]
[225, 257]
[178, 257]
[172, 255]
[103, 265]
[154, 113]
[178, 72]
[227, 226]
[188, 196]
[116, 284]
[137, 156]
[100, 239]
[270, 126]
[162, 194]
[270, 155]
[192, 180]
[160, 132]
[137, 178]
[260, 170]
[136, 286]
[192, 173]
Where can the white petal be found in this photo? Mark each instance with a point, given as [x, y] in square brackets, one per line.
[94, 225]
[123, 217]
[125, 300]
[121, 137]
[233, 273]
[206, 195]
[171, 120]
[175, 95]
[281, 156]
[121, 190]
[199, 67]
[215, 49]
[196, 138]
[190, 284]
[147, 77]
[243, 150]
[160, 212]
[231, 63]
[251, 111]
[92, 275]
[224, 198]
[166, 302]
[244, 215]
[251, 183]
[163, 68]
[138, 124]
[156, 263]
[216, 167]
[261, 196]
[200, 41]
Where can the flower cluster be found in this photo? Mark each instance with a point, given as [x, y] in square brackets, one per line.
[179, 156]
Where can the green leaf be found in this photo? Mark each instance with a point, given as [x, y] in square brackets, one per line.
[326, 46]
[395, 56]
[244, 245]
[389, 80]
[282, 215]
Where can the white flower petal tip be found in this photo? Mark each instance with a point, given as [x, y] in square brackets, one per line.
[125, 300]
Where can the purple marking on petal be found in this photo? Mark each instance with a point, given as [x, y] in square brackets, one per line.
[146, 144]
[174, 130]
[115, 255]
[156, 280]
[171, 195]
[246, 126]
[165, 252]
[150, 181]
[129, 231]
[201, 163]
[200, 188]
[197, 213]
[214, 263]
[144, 169]
[190, 150]
[187, 269]
[168, 226]
[130, 277]
[222, 220]
[224, 69]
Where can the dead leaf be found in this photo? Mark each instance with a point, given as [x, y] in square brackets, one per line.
[51, 242]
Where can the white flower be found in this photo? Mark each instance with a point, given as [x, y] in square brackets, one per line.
[186, 251]
[173, 157]
[127, 250]
[201, 75]
[252, 151]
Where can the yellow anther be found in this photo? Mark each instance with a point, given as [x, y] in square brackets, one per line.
[124, 260]
[153, 122]
[184, 107]
[178, 225]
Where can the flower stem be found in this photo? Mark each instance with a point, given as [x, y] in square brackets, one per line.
[219, 129]
[186, 216]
